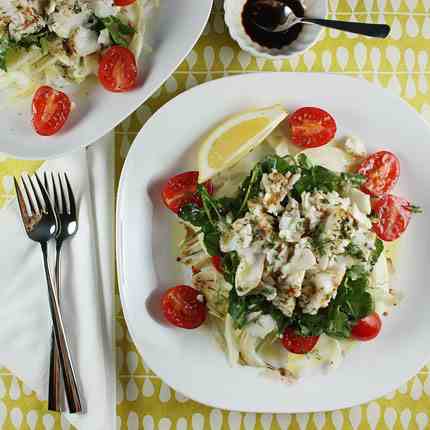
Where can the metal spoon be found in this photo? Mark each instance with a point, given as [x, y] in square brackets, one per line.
[287, 19]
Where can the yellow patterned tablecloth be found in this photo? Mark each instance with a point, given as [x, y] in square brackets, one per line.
[400, 63]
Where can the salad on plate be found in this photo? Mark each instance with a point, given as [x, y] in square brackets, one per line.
[291, 238]
[47, 46]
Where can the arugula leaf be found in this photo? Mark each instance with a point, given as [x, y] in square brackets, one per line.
[239, 307]
[355, 179]
[337, 324]
[249, 189]
[309, 325]
[5, 46]
[352, 303]
[117, 30]
[34, 39]
[414, 209]
[211, 240]
[379, 248]
[210, 205]
[230, 261]
[356, 272]
[304, 162]
[280, 164]
[317, 178]
[191, 213]
[320, 178]
[354, 251]
[199, 218]
[281, 320]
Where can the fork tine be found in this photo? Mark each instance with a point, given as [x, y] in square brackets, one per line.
[54, 187]
[21, 202]
[36, 195]
[30, 200]
[45, 182]
[72, 202]
[48, 204]
[63, 195]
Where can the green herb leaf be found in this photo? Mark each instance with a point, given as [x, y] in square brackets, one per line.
[338, 324]
[237, 308]
[210, 205]
[33, 39]
[117, 30]
[379, 248]
[356, 272]
[414, 209]
[309, 325]
[304, 162]
[249, 189]
[193, 214]
[280, 164]
[211, 241]
[198, 217]
[354, 251]
[355, 179]
[281, 320]
[5, 46]
[230, 261]
[319, 178]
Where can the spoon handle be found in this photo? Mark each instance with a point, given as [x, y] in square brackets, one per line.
[372, 30]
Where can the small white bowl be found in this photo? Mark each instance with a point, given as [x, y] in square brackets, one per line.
[307, 37]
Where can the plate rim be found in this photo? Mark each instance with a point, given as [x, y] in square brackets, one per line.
[384, 92]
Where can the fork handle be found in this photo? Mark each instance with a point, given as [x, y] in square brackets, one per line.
[54, 393]
[70, 385]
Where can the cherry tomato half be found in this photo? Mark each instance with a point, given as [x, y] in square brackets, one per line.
[184, 307]
[117, 69]
[217, 263]
[297, 344]
[382, 170]
[181, 189]
[311, 127]
[367, 328]
[123, 2]
[51, 108]
[393, 215]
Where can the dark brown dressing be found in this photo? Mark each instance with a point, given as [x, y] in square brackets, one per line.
[267, 15]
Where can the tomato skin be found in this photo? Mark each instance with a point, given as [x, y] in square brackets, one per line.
[311, 127]
[183, 308]
[118, 69]
[123, 2]
[217, 263]
[393, 216]
[51, 108]
[181, 189]
[296, 343]
[367, 328]
[382, 170]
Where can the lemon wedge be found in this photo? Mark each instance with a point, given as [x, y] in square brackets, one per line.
[236, 137]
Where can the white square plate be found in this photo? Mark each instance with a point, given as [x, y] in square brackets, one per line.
[190, 361]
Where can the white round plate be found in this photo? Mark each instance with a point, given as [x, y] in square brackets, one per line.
[172, 32]
[190, 361]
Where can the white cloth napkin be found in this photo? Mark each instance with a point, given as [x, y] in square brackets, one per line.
[86, 290]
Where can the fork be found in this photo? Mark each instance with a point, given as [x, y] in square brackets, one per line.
[41, 225]
[68, 226]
